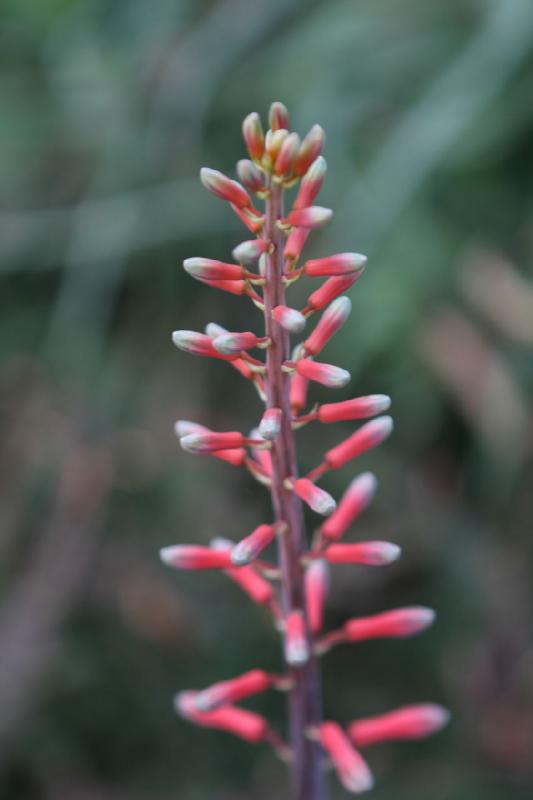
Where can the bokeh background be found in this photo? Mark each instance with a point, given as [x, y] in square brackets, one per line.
[107, 112]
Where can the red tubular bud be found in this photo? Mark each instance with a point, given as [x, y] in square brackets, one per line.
[250, 251]
[316, 587]
[350, 766]
[368, 436]
[289, 319]
[250, 176]
[231, 691]
[310, 149]
[355, 499]
[296, 648]
[331, 321]
[253, 545]
[235, 457]
[358, 408]
[287, 154]
[273, 143]
[278, 117]
[233, 287]
[210, 441]
[329, 290]
[316, 498]
[311, 184]
[194, 557]
[230, 344]
[244, 724]
[338, 265]
[198, 344]
[326, 374]
[311, 217]
[270, 424]
[409, 722]
[207, 269]
[252, 132]
[295, 244]
[397, 624]
[298, 392]
[374, 554]
[254, 585]
[253, 221]
[225, 188]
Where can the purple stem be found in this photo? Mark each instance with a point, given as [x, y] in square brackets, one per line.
[304, 705]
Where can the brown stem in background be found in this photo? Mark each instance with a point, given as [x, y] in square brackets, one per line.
[304, 698]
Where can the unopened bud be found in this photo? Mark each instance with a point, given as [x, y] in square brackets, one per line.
[234, 343]
[287, 154]
[197, 344]
[208, 269]
[210, 441]
[311, 184]
[278, 116]
[194, 557]
[250, 251]
[316, 587]
[289, 318]
[326, 374]
[340, 264]
[225, 188]
[273, 143]
[295, 244]
[351, 769]
[253, 545]
[270, 424]
[396, 624]
[296, 647]
[331, 321]
[369, 435]
[316, 498]
[252, 132]
[353, 502]
[231, 691]
[358, 408]
[311, 217]
[329, 290]
[408, 722]
[310, 149]
[374, 554]
[250, 175]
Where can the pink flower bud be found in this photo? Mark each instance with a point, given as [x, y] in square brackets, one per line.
[270, 424]
[250, 251]
[273, 143]
[287, 154]
[400, 623]
[254, 585]
[262, 456]
[231, 691]
[355, 499]
[289, 319]
[234, 343]
[311, 184]
[338, 265]
[331, 321]
[250, 175]
[358, 408]
[184, 556]
[233, 287]
[198, 344]
[252, 132]
[295, 243]
[210, 441]
[326, 374]
[225, 188]
[298, 392]
[409, 722]
[311, 217]
[374, 554]
[310, 149]
[208, 269]
[296, 647]
[253, 545]
[368, 436]
[350, 766]
[329, 290]
[242, 723]
[235, 457]
[253, 221]
[316, 587]
[278, 116]
[316, 498]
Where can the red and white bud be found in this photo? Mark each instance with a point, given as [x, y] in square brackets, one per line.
[231, 691]
[261, 455]
[248, 549]
[208, 269]
[298, 392]
[326, 374]
[242, 723]
[358, 408]
[230, 344]
[289, 318]
[311, 184]
[310, 149]
[374, 554]
[316, 589]
[210, 441]
[185, 556]
[253, 221]
[296, 647]
[351, 768]
[408, 722]
[295, 243]
[329, 290]
[355, 499]
[396, 624]
[249, 252]
[250, 175]
[225, 188]
[287, 154]
[278, 116]
[311, 217]
[258, 589]
[233, 287]
[252, 132]
[335, 266]
[236, 456]
[273, 143]
[198, 344]
[331, 321]
[368, 436]
[270, 424]
[316, 498]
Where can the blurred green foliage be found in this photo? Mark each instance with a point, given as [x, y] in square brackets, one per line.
[108, 111]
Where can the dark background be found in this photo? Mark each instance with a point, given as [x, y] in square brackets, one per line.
[108, 110]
